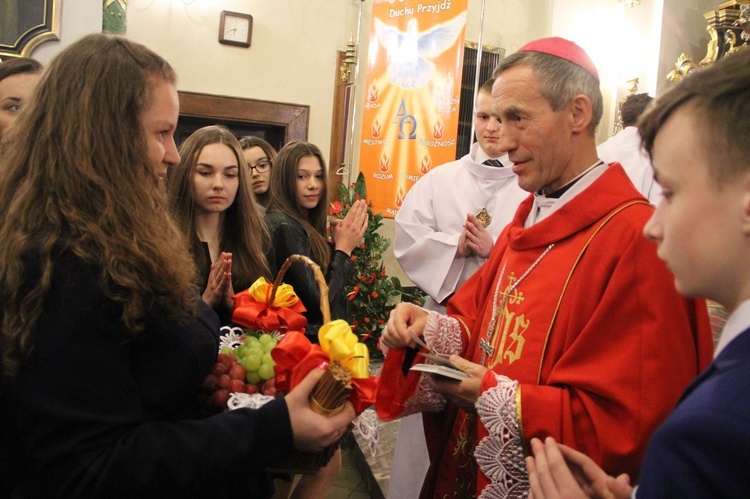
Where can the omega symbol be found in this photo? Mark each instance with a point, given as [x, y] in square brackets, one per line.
[404, 120]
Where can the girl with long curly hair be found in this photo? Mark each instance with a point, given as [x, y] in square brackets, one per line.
[214, 207]
[104, 341]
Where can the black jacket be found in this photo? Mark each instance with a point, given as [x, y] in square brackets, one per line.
[289, 238]
[100, 413]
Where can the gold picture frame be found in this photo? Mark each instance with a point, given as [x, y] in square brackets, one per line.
[27, 23]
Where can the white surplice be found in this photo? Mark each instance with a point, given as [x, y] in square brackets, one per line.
[431, 220]
[625, 148]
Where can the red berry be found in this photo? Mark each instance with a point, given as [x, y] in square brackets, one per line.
[227, 359]
[220, 399]
[236, 386]
[251, 388]
[210, 383]
[269, 387]
[219, 369]
[237, 372]
[224, 380]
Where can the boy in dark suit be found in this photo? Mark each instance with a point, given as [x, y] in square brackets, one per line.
[698, 137]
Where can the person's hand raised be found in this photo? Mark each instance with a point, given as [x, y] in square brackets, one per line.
[347, 232]
[312, 431]
[478, 239]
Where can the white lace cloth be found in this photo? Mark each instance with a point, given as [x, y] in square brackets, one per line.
[500, 455]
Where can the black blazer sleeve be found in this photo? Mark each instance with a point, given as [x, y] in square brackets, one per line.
[100, 413]
[290, 238]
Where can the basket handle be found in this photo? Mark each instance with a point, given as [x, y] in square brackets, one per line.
[325, 306]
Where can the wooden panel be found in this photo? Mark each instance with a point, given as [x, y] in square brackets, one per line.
[294, 118]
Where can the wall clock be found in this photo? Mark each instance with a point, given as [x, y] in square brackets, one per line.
[235, 28]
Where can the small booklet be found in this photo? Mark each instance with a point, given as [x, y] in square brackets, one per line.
[440, 371]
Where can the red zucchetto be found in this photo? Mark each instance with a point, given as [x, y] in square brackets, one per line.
[564, 49]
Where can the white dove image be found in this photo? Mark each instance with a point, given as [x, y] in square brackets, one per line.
[408, 52]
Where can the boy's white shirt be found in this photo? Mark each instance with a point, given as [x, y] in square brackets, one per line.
[738, 322]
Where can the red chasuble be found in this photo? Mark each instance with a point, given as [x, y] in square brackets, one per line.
[601, 343]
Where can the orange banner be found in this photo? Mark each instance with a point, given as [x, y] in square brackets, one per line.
[410, 117]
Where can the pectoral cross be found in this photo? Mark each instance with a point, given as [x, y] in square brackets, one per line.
[486, 348]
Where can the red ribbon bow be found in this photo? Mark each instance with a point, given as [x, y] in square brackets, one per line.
[295, 357]
[261, 316]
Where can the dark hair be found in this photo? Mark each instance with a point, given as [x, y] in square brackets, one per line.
[284, 197]
[75, 172]
[243, 232]
[559, 81]
[719, 99]
[633, 108]
[19, 65]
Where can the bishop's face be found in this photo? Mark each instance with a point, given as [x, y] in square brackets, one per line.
[536, 138]
[698, 226]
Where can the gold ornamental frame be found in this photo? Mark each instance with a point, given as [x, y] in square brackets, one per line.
[28, 23]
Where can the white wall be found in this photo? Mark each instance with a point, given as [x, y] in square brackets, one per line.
[78, 18]
[292, 57]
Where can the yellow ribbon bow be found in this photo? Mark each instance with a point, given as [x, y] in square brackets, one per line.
[340, 343]
[261, 291]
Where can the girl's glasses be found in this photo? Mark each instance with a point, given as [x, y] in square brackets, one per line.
[261, 166]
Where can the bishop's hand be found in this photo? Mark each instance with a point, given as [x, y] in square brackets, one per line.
[463, 393]
[404, 317]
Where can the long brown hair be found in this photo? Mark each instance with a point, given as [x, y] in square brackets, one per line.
[75, 173]
[243, 232]
[250, 141]
[284, 198]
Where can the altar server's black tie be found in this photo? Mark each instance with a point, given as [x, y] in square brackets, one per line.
[493, 162]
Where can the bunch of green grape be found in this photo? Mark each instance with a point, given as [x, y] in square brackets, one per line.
[254, 354]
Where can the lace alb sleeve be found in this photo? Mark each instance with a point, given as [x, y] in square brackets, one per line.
[443, 335]
[501, 454]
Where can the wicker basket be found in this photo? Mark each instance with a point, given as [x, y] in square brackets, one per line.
[310, 462]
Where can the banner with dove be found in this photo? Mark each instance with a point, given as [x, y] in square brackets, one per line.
[410, 116]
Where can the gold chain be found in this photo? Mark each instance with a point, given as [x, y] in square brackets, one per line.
[487, 346]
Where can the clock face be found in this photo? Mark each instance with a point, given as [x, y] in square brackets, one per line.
[236, 28]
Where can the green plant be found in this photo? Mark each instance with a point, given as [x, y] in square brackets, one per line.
[371, 292]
